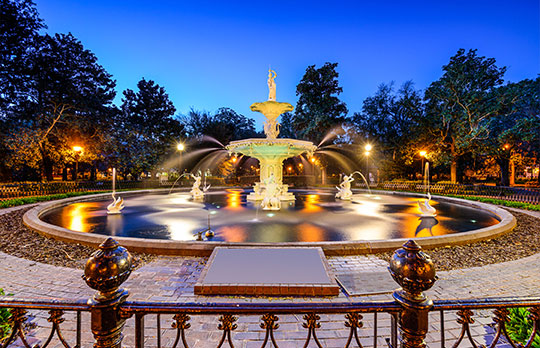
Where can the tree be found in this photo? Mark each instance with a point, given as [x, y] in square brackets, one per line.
[460, 104]
[225, 125]
[148, 132]
[18, 29]
[66, 98]
[390, 120]
[286, 127]
[19, 25]
[318, 109]
[514, 131]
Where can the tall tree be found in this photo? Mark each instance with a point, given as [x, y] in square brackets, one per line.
[460, 104]
[149, 131]
[68, 93]
[390, 120]
[318, 109]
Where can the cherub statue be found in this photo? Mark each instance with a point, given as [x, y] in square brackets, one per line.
[271, 85]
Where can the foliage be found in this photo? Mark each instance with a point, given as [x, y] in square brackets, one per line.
[461, 103]
[520, 326]
[389, 121]
[224, 125]
[36, 199]
[5, 316]
[146, 131]
[318, 109]
[64, 102]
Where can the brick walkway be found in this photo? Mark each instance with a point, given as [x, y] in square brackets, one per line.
[171, 279]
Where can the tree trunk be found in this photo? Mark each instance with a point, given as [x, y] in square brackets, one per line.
[74, 172]
[512, 180]
[504, 165]
[47, 169]
[93, 171]
[453, 170]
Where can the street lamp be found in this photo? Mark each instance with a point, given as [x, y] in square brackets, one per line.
[78, 150]
[368, 148]
[180, 147]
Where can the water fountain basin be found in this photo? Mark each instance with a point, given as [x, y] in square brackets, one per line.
[34, 219]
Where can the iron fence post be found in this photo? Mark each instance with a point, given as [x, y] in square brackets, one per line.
[105, 271]
[414, 271]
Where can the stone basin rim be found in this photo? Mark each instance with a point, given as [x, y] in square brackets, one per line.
[196, 248]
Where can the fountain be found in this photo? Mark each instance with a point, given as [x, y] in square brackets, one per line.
[196, 192]
[271, 151]
[425, 208]
[344, 189]
[118, 203]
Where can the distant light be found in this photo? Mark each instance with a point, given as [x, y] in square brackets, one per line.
[77, 148]
[312, 159]
[473, 221]
[367, 153]
[289, 168]
[423, 153]
[234, 159]
[213, 212]
[270, 214]
[180, 147]
[368, 147]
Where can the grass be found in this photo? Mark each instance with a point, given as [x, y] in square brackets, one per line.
[35, 199]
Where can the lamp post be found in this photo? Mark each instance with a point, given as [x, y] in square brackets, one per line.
[368, 148]
[423, 155]
[78, 150]
[180, 148]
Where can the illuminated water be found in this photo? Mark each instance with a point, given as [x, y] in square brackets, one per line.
[314, 216]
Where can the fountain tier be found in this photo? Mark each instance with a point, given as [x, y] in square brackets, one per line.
[271, 153]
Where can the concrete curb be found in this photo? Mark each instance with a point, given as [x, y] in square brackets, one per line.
[194, 248]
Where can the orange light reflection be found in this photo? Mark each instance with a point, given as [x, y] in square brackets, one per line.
[310, 205]
[309, 233]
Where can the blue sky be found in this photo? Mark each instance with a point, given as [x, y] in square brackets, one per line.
[216, 54]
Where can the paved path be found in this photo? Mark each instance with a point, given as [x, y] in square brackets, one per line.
[171, 279]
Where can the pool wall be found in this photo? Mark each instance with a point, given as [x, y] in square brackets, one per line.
[204, 248]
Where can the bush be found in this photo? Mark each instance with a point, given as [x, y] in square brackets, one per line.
[5, 316]
[520, 327]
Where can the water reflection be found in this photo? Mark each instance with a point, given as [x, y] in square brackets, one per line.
[426, 223]
[315, 216]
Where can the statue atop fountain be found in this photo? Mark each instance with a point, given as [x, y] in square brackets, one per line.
[271, 85]
[344, 188]
[272, 151]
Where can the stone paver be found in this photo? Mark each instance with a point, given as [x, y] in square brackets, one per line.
[171, 279]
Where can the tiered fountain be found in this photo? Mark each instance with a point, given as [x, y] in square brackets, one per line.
[271, 152]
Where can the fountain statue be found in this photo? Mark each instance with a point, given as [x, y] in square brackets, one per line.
[196, 192]
[344, 188]
[271, 194]
[118, 203]
[271, 151]
[426, 210]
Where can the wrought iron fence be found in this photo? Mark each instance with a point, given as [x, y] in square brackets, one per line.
[516, 194]
[411, 312]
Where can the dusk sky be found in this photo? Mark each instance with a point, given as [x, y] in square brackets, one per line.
[216, 54]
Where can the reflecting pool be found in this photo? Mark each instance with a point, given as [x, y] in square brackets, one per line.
[314, 216]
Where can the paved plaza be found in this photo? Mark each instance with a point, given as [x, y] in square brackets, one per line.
[171, 279]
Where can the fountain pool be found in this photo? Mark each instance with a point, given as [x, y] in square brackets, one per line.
[314, 217]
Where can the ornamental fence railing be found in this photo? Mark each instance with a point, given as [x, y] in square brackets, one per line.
[516, 194]
[412, 315]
